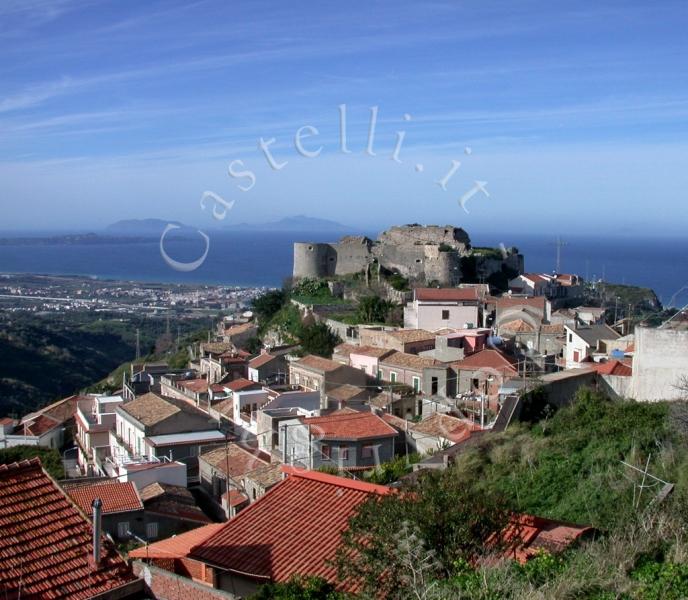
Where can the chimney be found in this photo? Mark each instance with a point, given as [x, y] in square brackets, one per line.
[97, 506]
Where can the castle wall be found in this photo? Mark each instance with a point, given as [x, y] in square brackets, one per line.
[314, 259]
[353, 255]
[412, 250]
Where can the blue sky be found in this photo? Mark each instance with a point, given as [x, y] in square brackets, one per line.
[575, 113]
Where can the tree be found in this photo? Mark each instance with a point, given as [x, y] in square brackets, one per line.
[298, 588]
[318, 339]
[50, 458]
[373, 309]
[269, 304]
[452, 520]
[253, 345]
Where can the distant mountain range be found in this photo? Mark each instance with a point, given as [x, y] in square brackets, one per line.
[143, 227]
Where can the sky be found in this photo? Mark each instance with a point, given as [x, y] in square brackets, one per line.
[572, 115]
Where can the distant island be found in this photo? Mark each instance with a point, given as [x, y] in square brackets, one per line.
[141, 227]
[296, 223]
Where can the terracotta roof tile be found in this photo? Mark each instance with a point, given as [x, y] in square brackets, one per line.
[149, 409]
[195, 385]
[344, 392]
[240, 460]
[446, 294]
[526, 534]
[349, 426]
[266, 476]
[487, 359]
[46, 543]
[177, 546]
[371, 351]
[261, 359]
[317, 363]
[445, 426]
[510, 301]
[613, 367]
[411, 335]
[241, 384]
[116, 496]
[38, 425]
[409, 361]
[260, 541]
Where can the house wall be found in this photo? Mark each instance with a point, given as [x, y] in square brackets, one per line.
[369, 364]
[429, 316]
[659, 362]
[574, 344]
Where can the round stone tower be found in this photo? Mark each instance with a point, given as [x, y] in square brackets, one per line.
[314, 259]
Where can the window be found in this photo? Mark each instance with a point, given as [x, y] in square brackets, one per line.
[416, 384]
[123, 529]
[445, 315]
[392, 376]
[379, 374]
[152, 531]
[367, 452]
[326, 451]
[570, 337]
[434, 386]
[343, 452]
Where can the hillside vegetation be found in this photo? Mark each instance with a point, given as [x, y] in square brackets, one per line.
[49, 356]
[436, 541]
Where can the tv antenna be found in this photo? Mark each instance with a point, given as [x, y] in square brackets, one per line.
[666, 489]
[559, 243]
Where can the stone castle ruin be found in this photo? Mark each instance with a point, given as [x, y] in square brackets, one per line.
[420, 253]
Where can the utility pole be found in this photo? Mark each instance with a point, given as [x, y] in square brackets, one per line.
[138, 344]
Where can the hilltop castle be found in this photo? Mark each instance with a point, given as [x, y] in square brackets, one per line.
[420, 253]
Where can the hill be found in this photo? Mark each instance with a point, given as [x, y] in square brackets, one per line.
[47, 357]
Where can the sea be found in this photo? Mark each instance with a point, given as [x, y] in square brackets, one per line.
[265, 258]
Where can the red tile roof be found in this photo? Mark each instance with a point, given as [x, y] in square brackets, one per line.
[446, 294]
[241, 384]
[445, 426]
[261, 359]
[238, 460]
[46, 543]
[509, 301]
[487, 359]
[235, 498]
[525, 535]
[295, 528]
[195, 385]
[349, 426]
[177, 546]
[371, 351]
[317, 363]
[116, 496]
[38, 426]
[613, 367]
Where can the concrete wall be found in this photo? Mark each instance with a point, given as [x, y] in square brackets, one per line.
[429, 316]
[659, 363]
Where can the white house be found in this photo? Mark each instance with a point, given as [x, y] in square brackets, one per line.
[583, 341]
[438, 308]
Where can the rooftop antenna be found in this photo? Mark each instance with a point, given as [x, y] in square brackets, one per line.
[559, 244]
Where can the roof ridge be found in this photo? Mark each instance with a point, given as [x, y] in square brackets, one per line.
[361, 486]
[21, 465]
